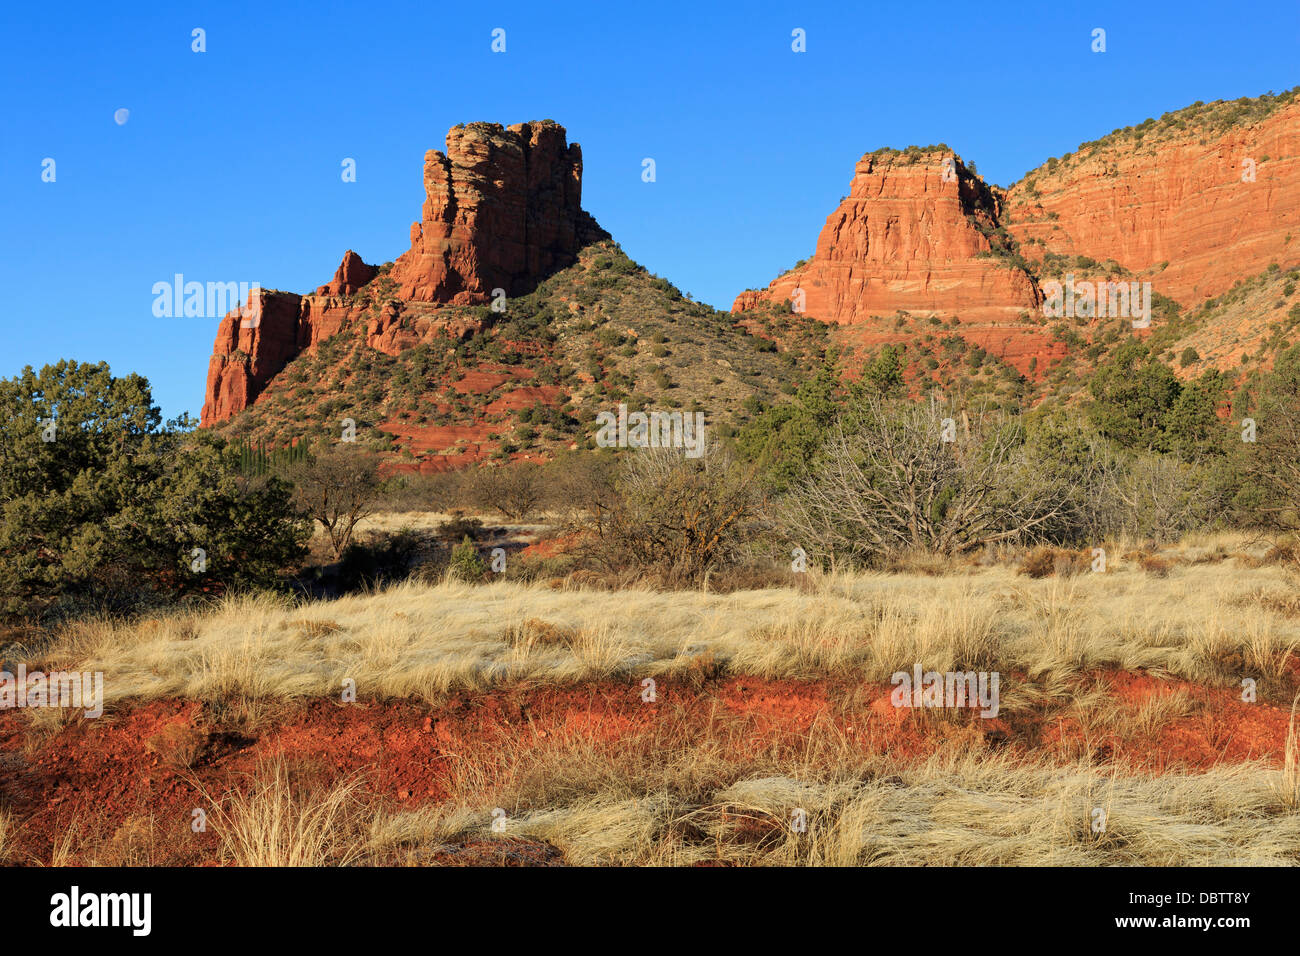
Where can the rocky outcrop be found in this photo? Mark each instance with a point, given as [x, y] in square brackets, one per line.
[913, 234]
[1215, 206]
[252, 346]
[502, 211]
[351, 275]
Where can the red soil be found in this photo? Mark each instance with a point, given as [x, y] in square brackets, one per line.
[550, 547]
[480, 381]
[441, 447]
[526, 396]
[101, 775]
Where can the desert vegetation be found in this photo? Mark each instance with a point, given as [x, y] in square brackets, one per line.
[767, 701]
[633, 656]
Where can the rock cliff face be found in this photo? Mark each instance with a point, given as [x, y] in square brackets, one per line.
[1161, 194]
[250, 351]
[1192, 202]
[917, 233]
[502, 211]
[503, 208]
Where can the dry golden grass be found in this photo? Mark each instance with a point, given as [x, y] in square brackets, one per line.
[971, 809]
[669, 794]
[1211, 622]
[65, 844]
[399, 520]
[178, 745]
[1290, 782]
[8, 828]
[666, 796]
[273, 822]
[135, 842]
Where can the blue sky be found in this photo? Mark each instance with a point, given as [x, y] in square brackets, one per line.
[228, 167]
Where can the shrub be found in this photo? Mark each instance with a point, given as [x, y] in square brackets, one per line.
[1045, 562]
[413, 491]
[1039, 563]
[515, 491]
[884, 375]
[1271, 464]
[458, 527]
[1282, 553]
[666, 515]
[179, 745]
[1132, 395]
[383, 556]
[1161, 498]
[1154, 565]
[465, 562]
[535, 632]
[898, 476]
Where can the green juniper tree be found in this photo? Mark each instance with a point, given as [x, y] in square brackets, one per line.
[102, 503]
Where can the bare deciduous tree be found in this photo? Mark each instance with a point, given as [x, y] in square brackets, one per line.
[1272, 460]
[338, 486]
[516, 491]
[1157, 496]
[661, 511]
[922, 476]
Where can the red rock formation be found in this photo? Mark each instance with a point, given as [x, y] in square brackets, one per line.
[352, 274]
[1175, 197]
[907, 237]
[250, 351]
[503, 211]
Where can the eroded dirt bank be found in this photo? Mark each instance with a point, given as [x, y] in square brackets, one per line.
[84, 791]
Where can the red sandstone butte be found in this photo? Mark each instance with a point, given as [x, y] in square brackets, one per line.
[502, 210]
[907, 237]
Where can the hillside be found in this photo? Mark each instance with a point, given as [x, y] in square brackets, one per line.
[1244, 328]
[463, 383]
[514, 318]
[509, 324]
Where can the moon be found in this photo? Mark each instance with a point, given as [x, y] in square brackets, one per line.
[120, 116]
